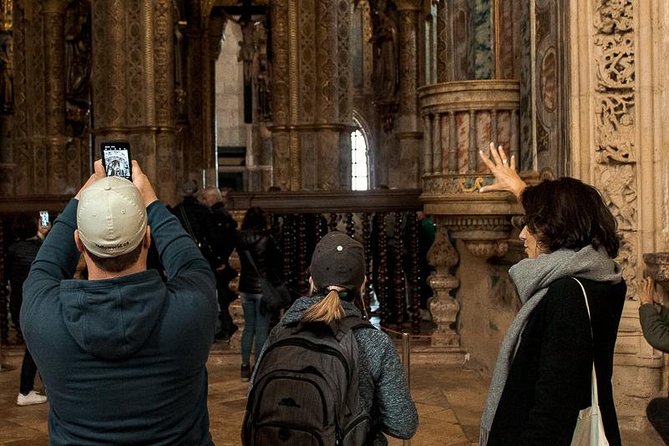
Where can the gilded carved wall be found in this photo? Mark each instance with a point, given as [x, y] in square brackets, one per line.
[311, 72]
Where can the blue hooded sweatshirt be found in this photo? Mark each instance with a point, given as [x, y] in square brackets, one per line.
[123, 359]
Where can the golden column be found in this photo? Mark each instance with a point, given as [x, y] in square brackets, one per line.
[311, 75]
[133, 85]
[6, 98]
[54, 67]
[409, 127]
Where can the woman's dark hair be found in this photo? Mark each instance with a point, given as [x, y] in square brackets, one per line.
[255, 218]
[567, 213]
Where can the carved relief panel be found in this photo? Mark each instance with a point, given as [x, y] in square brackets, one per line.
[615, 172]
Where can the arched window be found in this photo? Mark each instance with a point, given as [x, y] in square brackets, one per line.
[359, 168]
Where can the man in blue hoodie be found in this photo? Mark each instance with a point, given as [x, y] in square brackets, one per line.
[122, 354]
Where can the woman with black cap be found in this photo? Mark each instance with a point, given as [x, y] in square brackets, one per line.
[337, 279]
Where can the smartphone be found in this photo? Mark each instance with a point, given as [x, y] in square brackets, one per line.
[44, 218]
[116, 159]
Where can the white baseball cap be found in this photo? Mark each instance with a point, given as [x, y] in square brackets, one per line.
[111, 217]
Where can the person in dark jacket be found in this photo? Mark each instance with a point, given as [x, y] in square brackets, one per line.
[654, 318]
[543, 373]
[20, 256]
[256, 242]
[223, 238]
[123, 354]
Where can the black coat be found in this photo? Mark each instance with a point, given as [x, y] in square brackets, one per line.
[266, 257]
[549, 378]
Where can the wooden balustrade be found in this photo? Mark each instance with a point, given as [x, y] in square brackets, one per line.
[384, 221]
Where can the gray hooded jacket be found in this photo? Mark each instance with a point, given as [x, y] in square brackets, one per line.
[383, 388]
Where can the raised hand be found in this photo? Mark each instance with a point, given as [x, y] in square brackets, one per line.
[647, 294]
[506, 177]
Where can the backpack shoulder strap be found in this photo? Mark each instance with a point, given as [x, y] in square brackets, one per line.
[353, 323]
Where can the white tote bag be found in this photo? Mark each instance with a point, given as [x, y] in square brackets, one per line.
[589, 429]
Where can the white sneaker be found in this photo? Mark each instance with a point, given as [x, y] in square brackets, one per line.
[31, 398]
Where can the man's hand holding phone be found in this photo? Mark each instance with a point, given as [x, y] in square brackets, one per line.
[116, 159]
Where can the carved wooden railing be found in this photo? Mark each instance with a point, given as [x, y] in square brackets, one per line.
[380, 219]
[384, 221]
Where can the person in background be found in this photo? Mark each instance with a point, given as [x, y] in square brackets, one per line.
[20, 256]
[654, 318]
[195, 218]
[223, 240]
[259, 258]
[543, 374]
[122, 354]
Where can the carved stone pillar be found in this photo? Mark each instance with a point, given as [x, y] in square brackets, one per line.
[409, 130]
[284, 106]
[617, 124]
[311, 74]
[203, 35]
[54, 64]
[443, 306]
[133, 85]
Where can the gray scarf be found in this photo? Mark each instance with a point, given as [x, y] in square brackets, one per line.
[532, 278]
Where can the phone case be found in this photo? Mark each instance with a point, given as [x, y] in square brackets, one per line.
[116, 159]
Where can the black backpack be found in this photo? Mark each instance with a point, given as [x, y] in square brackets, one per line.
[305, 390]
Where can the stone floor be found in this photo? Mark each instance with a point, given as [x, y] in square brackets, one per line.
[449, 398]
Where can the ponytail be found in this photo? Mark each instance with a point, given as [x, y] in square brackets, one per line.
[327, 309]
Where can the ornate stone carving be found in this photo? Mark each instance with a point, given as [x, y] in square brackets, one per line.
[443, 306]
[6, 74]
[619, 192]
[615, 77]
[615, 126]
[486, 249]
[77, 66]
[326, 48]
[307, 62]
[442, 42]
[455, 184]
[344, 81]
[163, 51]
[280, 74]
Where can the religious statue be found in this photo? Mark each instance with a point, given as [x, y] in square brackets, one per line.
[247, 49]
[6, 74]
[385, 39]
[78, 53]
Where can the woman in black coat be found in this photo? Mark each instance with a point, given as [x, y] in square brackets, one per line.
[543, 373]
[255, 244]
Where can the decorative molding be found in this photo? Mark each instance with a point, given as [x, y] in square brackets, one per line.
[455, 184]
[485, 249]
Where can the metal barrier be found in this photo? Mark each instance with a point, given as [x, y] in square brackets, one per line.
[406, 363]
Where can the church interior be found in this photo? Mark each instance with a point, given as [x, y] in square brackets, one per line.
[365, 116]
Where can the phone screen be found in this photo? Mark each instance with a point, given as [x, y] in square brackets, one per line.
[116, 159]
[44, 218]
